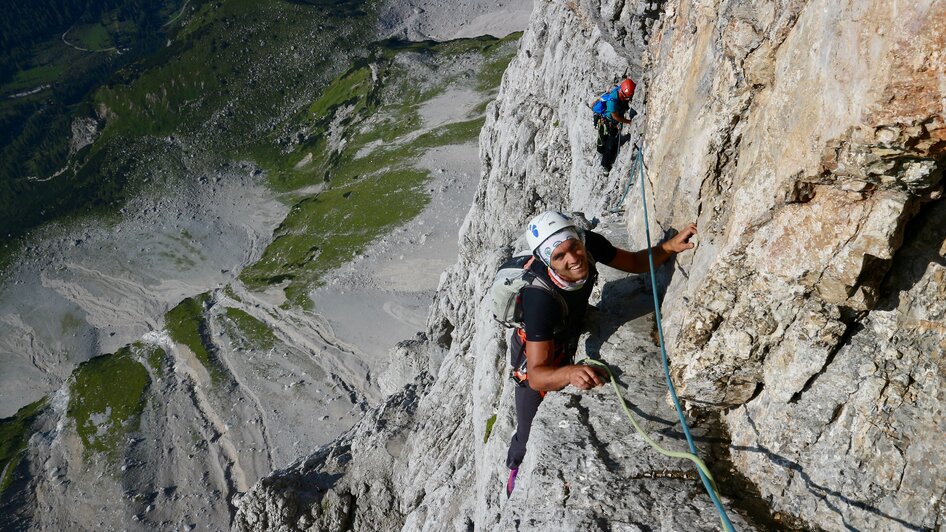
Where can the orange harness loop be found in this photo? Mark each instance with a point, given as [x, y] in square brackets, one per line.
[518, 375]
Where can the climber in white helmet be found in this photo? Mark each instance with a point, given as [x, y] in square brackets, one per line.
[542, 350]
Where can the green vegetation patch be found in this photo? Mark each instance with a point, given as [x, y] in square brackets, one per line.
[184, 323]
[324, 232]
[155, 356]
[148, 107]
[15, 432]
[252, 330]
[370, 184]
[231, 293]
[92, 37]
[34, 77]
[374, 194]
[187, 325]
[107, 397]
[489, 427]
[492, 73]
[352, 87]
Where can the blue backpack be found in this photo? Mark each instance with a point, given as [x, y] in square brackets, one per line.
[601, 106]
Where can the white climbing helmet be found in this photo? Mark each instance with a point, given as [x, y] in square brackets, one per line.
[545, 225]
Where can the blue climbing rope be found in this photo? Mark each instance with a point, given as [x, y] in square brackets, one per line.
[663, 352]
[630, 181]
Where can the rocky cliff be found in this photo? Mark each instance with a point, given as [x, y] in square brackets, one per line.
[808, 140]
[234, 379]
[806, 329]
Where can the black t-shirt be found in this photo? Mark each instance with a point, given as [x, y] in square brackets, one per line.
[542, 314]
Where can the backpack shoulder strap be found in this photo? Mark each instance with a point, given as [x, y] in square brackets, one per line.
[540, 284]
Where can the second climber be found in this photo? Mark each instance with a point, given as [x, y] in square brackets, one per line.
[611, 110]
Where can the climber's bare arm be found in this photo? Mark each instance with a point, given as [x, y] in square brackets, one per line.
[620, 118]
[545, 376]
[636, 261]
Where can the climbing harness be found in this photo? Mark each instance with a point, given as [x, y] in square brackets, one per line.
[707, 479]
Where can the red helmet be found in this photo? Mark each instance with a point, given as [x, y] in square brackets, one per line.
[626, 92]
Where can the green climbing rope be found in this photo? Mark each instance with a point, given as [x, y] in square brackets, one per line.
[666, 452]
[710, 490]
[656, 446]
[637, 169]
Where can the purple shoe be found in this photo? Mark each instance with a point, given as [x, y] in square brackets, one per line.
[511, 483]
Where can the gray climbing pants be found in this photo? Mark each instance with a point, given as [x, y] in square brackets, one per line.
[527, 399]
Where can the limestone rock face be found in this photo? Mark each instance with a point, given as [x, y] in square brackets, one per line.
[807, 139]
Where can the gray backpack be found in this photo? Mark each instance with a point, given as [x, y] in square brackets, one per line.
[511, 279]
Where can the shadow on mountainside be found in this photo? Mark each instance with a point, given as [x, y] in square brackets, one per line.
[17, 499]
[924, 237]
[622, 301]
[820, 491]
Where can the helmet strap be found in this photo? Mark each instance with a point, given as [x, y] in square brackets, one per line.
[566, 285]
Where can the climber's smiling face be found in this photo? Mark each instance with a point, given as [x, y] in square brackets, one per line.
[570, 260]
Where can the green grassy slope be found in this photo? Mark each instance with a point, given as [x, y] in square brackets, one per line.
[15, 432]
[369, 179]
[187, 325]
[233, 69]
[254, 332]
[107, 397]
